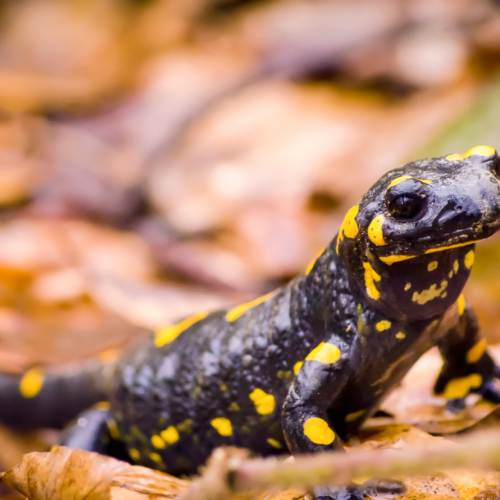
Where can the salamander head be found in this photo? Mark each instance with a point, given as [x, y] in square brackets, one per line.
[411, 230]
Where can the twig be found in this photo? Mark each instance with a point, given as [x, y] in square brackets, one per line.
[228, 474]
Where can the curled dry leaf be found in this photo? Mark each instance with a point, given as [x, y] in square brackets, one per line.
[65, 473]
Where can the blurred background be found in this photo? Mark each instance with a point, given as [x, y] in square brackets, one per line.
[162, 156]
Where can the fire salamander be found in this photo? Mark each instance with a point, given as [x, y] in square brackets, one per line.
[300, 369]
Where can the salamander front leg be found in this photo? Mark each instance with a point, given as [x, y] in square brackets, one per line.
[306, 425]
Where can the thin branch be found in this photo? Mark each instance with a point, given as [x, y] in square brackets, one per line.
[230, 473]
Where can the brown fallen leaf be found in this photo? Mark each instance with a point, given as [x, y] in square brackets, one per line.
[66, 473]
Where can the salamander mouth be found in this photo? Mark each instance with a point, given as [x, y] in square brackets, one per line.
[429, 244]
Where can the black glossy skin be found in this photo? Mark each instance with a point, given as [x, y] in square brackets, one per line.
[211, 369]
[375, 318]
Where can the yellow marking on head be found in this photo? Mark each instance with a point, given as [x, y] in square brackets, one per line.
[168, 333]
[391, 259]
[349, 227]
[432, 265]
[398, 180]
[469, 259]
[383, 325]
[264, 403]
[432, 293]
[223, 387]
[475, 353]
[354, 416]
[238, 311]
[155, 457]
[460, 387]
[370, 277]
[480, 151]
[400, 335]
[274, 443]
[475, 151]
[158, 442]
[297, 366]
[311, 264]
[324, 353]
[318, 431]
[170, 435]
[31, 383]
[134, 454]
[113, 429]
[404, 178]
[234, 406]
[455, 266]
[223, 426]
[407, 286]
[457, 245]
[461, 304]
[375, 232]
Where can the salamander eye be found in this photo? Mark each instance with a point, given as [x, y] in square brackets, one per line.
[405, 205]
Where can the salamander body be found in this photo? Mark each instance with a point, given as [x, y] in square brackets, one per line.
[300, 369]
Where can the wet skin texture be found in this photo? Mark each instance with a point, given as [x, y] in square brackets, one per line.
[302, 368]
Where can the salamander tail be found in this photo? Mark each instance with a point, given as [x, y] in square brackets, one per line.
[40, 399]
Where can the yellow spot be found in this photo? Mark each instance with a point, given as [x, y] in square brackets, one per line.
[166, 334]
[354, 416]
[407, 286]
[432, 293]
[318, 431]
[480, 151]
[311, 265]
[375, 232]
[238, 311]
[223, 387]
[404, 178]
[460, 387]
[391, 259]
[274, 443]
[113, 429]
[134, 454]
[469, 259]
[461, 304]
[370, 277]
[400, 335]
[170, 435]
[158, 442]
[31, 383]
[398, 180]
[455, 266]
[264, 403]
[457, 245]
[155, 457]
[222, 426]
[349, 227]
[432, 265]
[234, 406]
[324, 353]
[383, 325]
[297, 366]
[102, 405]
[474, 353]
[475, 151]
